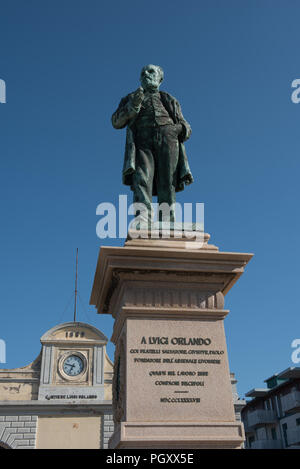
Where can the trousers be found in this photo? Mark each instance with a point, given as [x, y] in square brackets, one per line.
[157, 152]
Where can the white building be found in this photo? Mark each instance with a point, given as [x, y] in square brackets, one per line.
[272, 418]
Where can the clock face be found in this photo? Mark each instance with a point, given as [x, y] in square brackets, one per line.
[73, 365]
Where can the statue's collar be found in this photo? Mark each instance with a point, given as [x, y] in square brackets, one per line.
[150, 91]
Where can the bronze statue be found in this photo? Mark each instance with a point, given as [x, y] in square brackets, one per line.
[155, 158]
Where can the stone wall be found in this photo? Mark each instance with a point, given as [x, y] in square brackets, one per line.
[108, 429]
[18, 431]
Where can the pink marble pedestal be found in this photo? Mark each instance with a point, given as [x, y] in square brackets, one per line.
[172, 384]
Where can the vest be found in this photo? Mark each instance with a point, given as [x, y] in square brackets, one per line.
[152, 112]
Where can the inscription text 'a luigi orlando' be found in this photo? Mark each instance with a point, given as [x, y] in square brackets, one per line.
[176, 341]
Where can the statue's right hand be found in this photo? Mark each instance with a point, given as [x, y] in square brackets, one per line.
[137, 97]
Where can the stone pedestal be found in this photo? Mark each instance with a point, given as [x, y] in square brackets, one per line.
[171, 376]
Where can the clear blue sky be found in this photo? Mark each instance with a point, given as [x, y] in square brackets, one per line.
[66, 64]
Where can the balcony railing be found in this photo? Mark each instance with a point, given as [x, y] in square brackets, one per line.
[293, 436]
[266, 444]
[261, 417]
[291, 401]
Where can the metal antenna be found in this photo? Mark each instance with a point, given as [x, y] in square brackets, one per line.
[75, 300]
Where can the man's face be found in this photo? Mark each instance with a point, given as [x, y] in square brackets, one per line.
[150, 77]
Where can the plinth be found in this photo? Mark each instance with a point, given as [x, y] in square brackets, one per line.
[172, 385]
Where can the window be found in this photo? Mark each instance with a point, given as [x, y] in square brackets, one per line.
[298, 421]
[267, 405]
[279, 406]
[284, 429]
[251, 440]
[273, 434]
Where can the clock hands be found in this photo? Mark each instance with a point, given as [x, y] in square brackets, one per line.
[73, 366]
[70, 364]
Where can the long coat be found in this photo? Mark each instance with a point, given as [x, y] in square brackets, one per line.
[125, 116]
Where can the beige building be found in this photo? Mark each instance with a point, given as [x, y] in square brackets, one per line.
[64, 398]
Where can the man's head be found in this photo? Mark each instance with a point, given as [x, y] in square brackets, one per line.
[151, 77]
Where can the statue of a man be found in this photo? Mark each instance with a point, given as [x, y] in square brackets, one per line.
[155, 158]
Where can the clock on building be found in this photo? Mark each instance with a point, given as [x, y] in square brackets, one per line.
[73, 365]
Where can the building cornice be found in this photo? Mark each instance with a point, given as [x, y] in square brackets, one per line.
[28, 407]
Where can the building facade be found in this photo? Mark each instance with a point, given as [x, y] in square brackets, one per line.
[272, 418]
[64, 398]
